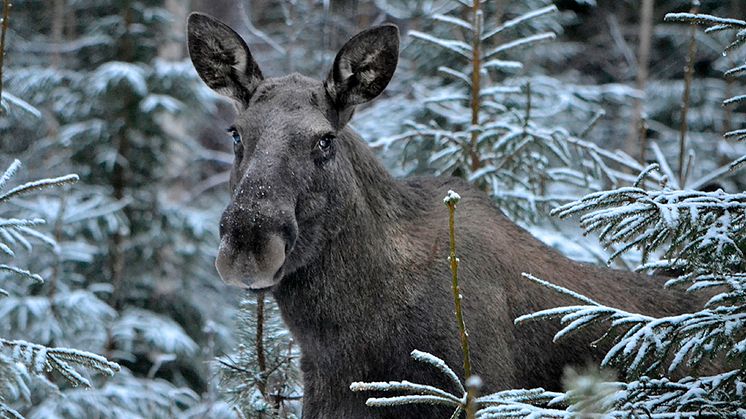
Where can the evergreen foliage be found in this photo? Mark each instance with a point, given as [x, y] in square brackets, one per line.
[497, 128]
[20, 359]
[270, 387]
[131, 276]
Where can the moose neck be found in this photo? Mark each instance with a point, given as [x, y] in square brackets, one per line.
[372, 190]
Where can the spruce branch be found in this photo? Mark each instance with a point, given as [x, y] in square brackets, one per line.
[512, 23]
[718, 24]
[38, 185]
[416, 393]
[40, 359]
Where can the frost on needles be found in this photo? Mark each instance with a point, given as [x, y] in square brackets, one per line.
[19, 358]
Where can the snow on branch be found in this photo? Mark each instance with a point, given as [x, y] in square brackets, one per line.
[40, 359]
[698, 235]
[656, 398]
[37, 185]
[8, 98]
[413, 393]
[459, 47]
[645, 346]
[521, 43]
[418, 393]
[736, 71]
[694, 227]
[559, 289]
[454, 21]
[704, 19]
[455, 74]
[512, 23]
[16, 232]
[718, 24]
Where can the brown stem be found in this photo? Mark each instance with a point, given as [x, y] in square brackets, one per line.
[58, 21]
[463, 333]
[70, 23]
[119, 178]
[688, 76]
[259, 345]
[3, 31]
[528, 106]
[288, 360]
[57, 268]
[643, 70]
[472, 392]
[476, 68]
[728, 110]
[642, 128]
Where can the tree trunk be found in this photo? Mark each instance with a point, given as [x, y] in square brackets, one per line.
[173, 48]
[58, 23]
[637, 135]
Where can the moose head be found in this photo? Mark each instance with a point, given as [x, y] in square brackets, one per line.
[291, 169]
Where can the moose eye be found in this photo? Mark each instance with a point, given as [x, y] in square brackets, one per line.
[233, 132]
[325, 142]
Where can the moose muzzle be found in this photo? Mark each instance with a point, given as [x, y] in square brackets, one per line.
[254, 246]
[253, 271]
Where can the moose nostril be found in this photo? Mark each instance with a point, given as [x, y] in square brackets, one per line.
[290, 234]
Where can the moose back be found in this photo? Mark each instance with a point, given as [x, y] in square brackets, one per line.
[357, 260]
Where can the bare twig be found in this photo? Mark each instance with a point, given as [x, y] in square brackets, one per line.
[451, 200]
[3, 31]
[120, 178]
[259, 345]
[58, 235]
[688, 76]
[476, 70]
[618, 37]
[528, 106]
[246, 18]
[643, 70]
[58, 20]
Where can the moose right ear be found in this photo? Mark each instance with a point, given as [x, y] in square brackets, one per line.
[362, 69]
[222, 59]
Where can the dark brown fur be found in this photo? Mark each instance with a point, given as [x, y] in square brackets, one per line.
[365, 278]
[381, 288]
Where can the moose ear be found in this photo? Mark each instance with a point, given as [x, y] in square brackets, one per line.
[222, 59]
[363, 67]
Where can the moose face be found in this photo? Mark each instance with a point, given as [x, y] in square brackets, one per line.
[289, 168]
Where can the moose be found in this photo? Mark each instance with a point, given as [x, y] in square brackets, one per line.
[357, 260]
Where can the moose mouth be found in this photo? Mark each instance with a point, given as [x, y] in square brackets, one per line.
[247, 270]
[263, 284]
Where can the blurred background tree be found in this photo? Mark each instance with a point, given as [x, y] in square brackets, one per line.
[107, 92]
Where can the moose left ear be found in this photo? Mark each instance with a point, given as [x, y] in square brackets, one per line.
[222, 59]
[363, 67]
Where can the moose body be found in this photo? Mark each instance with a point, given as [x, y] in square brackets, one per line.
[357, 260]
